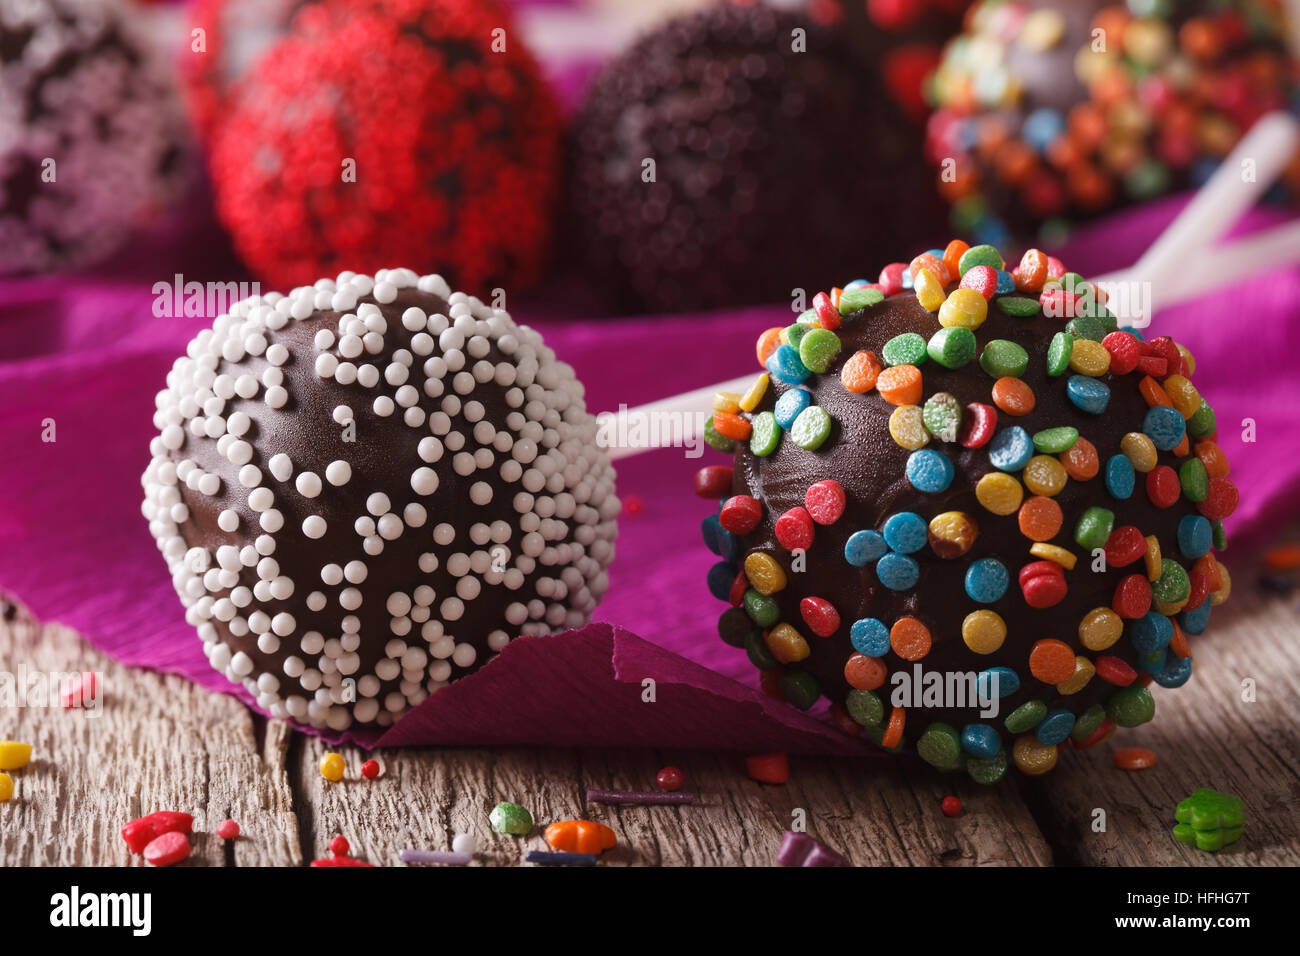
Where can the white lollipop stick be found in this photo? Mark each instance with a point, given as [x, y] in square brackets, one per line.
[1180, 265]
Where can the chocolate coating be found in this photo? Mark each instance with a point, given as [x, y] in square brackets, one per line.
[863, 457]
[768, 163]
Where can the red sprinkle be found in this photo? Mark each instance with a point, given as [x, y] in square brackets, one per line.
[140, 832]
[1124, 352]
[370, 769]
[1098, 736]
[978, 425]
[825, 501]
[983, 279]
[339, 845]
[768, 768]
[1167, 349]
[951, 807]
[1163, 487]
[1221, 500]
[1115, 671]
[1134, 758]
[228, 830]
[81, 690]
[828, 317]
[891, 278]
[1043, 584]
[1124, 546]
[1200, 589]
[1055, 267]
[670, 778]
[820, 616]
[167, 848]
[794, 529]
[1153, 365]
[339, 861]
[736, 596]
[741, 514]
[713, 481]
[1132, 597]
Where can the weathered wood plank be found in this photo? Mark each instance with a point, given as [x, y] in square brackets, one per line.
[874, 817]
[1204, 735]
[158, 743]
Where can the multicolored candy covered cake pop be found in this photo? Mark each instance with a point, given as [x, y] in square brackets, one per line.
[965, 473]
[736, 146]
[390, 131]
[1051, 112]
[365, 488]
[93, 141]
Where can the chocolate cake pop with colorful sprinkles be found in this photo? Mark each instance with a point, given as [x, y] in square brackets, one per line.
[970, 510]
[1049, 113]
[366, 488]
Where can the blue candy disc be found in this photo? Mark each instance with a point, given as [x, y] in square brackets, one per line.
[986, 580]
[1088, 394]
[719, 540]
[1164, 426]
[1151, 633]
[785, 365]
[1195, 536]
[1011, 449]
[1120, 477]
[863, 547]
[981, 740]
[898, 572]
[905, 532]
[721, 576]
[1055, 727]
[1195, 621]
[789, 405]
[929, 471]
[1175, 672]
[997, 682]
[870, 637]
[1006, 285]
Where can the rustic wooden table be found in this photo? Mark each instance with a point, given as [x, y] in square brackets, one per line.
[160, 742]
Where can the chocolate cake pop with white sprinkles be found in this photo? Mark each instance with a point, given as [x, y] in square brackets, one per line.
[367, 487]
[93, 139]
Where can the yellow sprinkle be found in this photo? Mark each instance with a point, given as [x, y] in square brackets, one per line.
[1168, 608]
[13, 755]
[1089, 358]
[965, 308]
[6, 787]
[1189, 358]
[952, 534]
[1100, 628]
[1051, 552]
[786, 644]
[907, 427]
[751, 398]
[1033, 757]
[1225, 586]
[929, 290]
[1045, 475]
[726, 402]
[999, 493]
[1083, 672]
[784, 336]
[1182, 395]
[983, 631]
[331, 767]
[764, 574]
[1139, 450]
[1155, 567]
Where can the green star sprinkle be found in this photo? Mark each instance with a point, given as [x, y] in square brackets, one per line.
[1209, 820]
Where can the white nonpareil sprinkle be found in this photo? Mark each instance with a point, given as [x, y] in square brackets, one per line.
[478, 407]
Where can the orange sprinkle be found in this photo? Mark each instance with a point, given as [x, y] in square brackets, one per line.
[1210, 568]
[767, 344]
[580, 836]
[1051, 661]
[860, 372]
[1183, 448]
[1032, 272]
[865, 673]
[1081, 461]
[1040, 518]
[1154, 393]
[1178, 644]
[893, 735]
[909, 638]
[1012, 396]
[1134, 758]
[836, 292]
[732, 426]
[1285, 557]
[900, 385]
[927, 260]
[952, 255]
[1213, 458]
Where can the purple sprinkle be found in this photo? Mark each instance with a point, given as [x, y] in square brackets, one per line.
[799, 849]
[435, 856]
[637, 797]
[560, 859]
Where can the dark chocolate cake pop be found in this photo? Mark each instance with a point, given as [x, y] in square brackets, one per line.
[970, 511]
[1052, 112]
[733, 147]
[366, 488]
[93, 140]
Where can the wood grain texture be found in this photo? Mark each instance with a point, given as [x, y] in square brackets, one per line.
[158, 743]
[163, 743]
[1204, 735]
